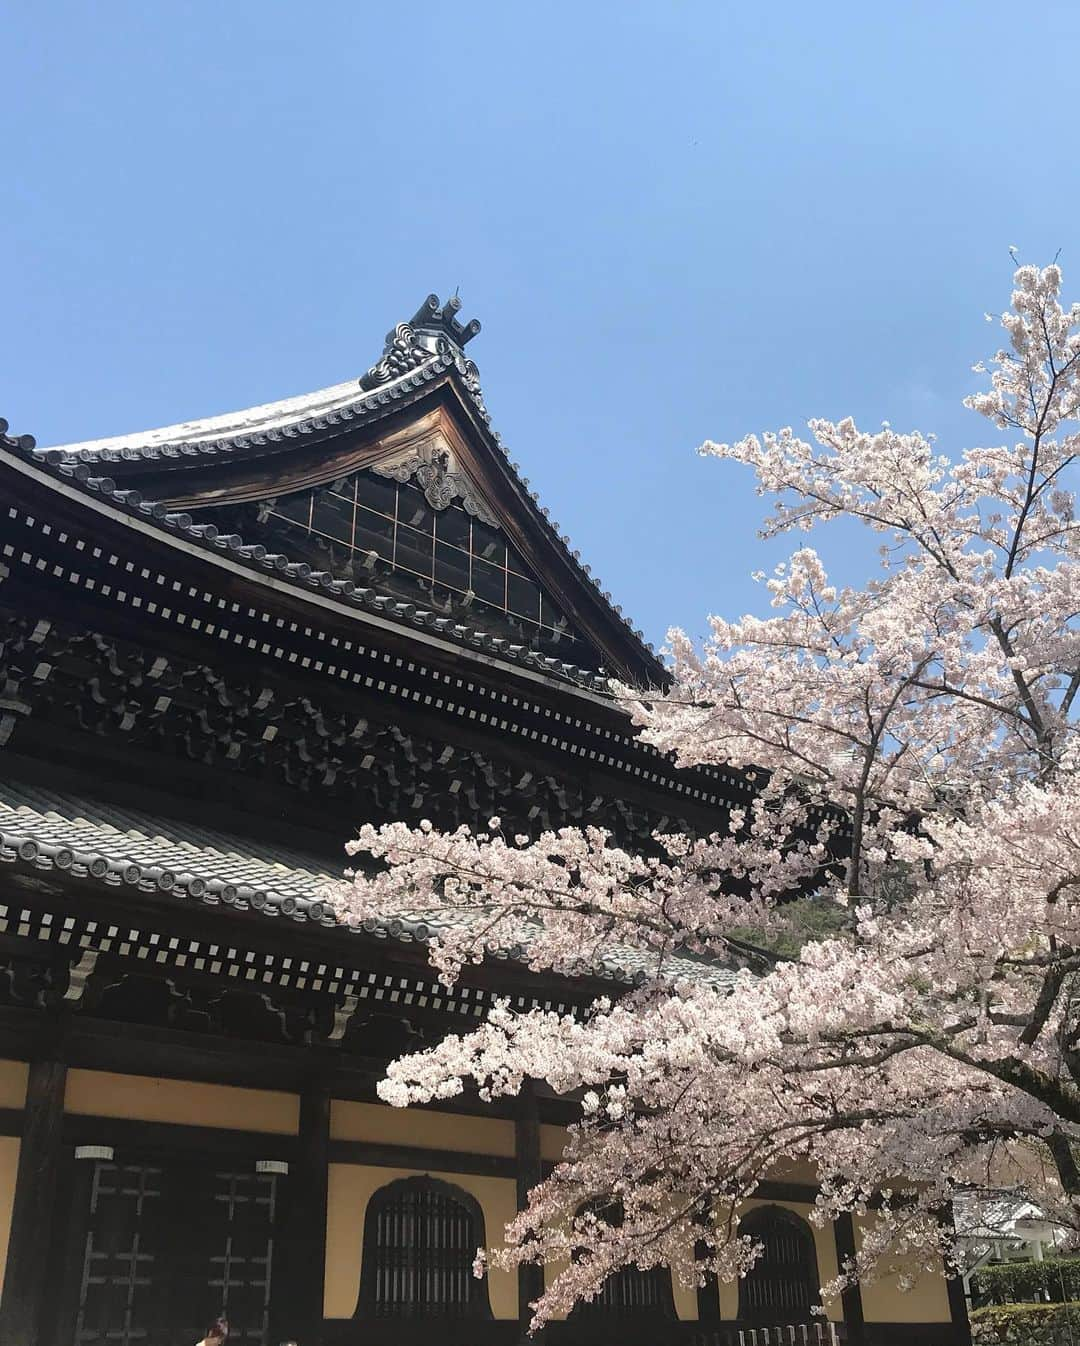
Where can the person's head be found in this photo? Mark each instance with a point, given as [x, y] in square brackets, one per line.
[217, 1332]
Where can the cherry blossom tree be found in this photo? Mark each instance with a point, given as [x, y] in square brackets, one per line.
[916, 764]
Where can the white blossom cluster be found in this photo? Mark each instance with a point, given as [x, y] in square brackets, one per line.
[917, 753]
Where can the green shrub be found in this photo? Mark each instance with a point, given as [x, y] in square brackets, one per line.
[1055, 1279]
[1026, 1324]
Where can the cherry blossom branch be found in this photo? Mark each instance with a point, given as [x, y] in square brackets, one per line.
[914, 763]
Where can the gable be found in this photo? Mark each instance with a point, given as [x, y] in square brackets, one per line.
[415, 522]
[417, 417]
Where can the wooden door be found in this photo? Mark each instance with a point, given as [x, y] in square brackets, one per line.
[163, 1246]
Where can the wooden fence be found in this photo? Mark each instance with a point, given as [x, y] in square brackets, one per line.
[802, 1334]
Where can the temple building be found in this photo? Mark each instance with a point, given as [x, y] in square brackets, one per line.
[223, 646]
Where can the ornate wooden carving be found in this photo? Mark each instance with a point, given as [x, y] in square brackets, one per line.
[258, 729]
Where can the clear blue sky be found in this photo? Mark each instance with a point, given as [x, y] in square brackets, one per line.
[674, 220]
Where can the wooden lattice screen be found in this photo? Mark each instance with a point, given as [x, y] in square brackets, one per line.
[633, 1291]
[630, 1290]
[420, 1239]
[782, 1285]
[168, 1248]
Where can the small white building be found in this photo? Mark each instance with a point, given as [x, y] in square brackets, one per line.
[1001, 1225]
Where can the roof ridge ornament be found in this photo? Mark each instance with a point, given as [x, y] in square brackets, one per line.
[433, 330]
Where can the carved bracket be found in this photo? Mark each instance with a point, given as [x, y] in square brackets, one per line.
[79, 976]
[343, 1013]
[437, 474]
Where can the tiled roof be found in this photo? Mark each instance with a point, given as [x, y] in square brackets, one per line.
[431, 349]
[120, 847]
[990, 1213]
[255, 557]
[436, 350]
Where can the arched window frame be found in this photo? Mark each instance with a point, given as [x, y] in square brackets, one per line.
[369, 1306]
[606, 1304]
[759, 1224]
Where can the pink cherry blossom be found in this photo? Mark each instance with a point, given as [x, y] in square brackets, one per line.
[917, 748]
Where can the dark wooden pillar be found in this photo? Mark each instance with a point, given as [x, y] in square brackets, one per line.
[40, 1156]
[708, 1295]
[529, 1173]
[958, 1308]
[850, 1298]
[298, 1292]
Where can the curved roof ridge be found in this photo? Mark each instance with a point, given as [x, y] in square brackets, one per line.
[254, 557]
[227, 425]
[416, 352]
[432, 334]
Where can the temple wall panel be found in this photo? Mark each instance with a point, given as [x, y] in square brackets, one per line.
[686, 1302]
[351, 1187]
[411, 1126]
[9, 1166]
[13, 1077]
[187, 1103]
[552, 1140]
[885, 1302]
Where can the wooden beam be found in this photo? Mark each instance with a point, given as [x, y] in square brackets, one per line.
[139, 1049]
[529, 1173]
[298, 1295]
[40, 1154]
[708, 1295]
[220, 1141]
[958, 1306]
[851, 1296]
[177, 1137]
[380, 1154]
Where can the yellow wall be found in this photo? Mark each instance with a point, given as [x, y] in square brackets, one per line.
[147, 1099]
[9, 1164]
[884, 1302]
[351, 1187]
[552, 1140]
[412, 1126]
[685, 1297]
[13, 1077]
[99, 1093]
[824, 1246]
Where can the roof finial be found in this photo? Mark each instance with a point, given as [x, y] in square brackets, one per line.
[413, 343]
[432, 316]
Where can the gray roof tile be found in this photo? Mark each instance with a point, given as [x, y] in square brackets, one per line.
[256, 557]
[119, 846]
[435, 340]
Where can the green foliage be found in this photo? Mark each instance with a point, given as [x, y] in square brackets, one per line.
[808, 918]
[1026, 1324]
[1056, 1279]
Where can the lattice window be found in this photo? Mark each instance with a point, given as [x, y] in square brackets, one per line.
[420, 1239]
[170, 1246]
[450, 554]
[782, 1285]
[241, 1263]
[123, 1256]
[630, 1290]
